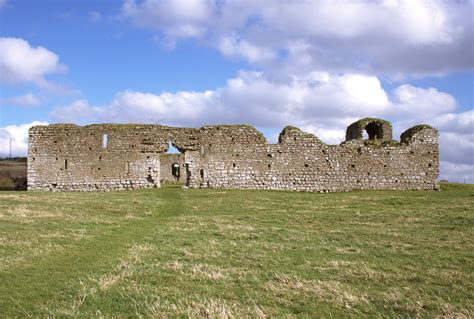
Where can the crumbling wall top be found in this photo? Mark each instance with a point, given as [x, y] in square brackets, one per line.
[292, 134]
[423, 132]
[377, 129]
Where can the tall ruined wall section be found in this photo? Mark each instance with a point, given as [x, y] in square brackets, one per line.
[97, 157]
[231, 156]
[239, 157]
[67, 157]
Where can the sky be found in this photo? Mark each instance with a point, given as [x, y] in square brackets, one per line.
[317, 65]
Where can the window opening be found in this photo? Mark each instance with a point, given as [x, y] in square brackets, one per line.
[105, 141]
[175, 170]
[374, 131]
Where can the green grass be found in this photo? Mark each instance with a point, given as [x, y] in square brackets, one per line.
[218, 253]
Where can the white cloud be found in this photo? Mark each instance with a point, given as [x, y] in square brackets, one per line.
[320, 98]
[18, 135]
[413, 102]
[22, 63]
[326, 134]
[460, 123]
[412, 21]
[457, 148]
[182, 108]
[175, 18]
[457, 145]
[78, 111]
[399, 37]
[28, 99]
[234, 47]
[249, 98]
[453, 172]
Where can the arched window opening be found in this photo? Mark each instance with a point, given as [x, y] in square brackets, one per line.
[370, 129]
[175, 170]
[374, 131]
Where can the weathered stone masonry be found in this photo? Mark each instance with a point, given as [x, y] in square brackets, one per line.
[66, 157]
[172, 168]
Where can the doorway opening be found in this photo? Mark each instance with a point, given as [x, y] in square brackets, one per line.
[172, 165]
[175, 168]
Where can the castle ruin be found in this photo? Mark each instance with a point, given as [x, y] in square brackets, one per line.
[103, 157]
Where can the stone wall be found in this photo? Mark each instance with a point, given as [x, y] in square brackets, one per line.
[231, 156]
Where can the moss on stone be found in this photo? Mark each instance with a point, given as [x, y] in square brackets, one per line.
[290, 128]
[380, 144]
[380, 129]
[417, 128]
[373, 119]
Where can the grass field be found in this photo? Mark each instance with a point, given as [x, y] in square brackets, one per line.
[222, 253]
[12, 174]
[13, 168]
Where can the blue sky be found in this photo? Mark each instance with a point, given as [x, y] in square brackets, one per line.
[313, 64]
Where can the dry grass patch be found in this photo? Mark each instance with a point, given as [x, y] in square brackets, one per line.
[130, 265]
[328, 291]
[196, 271]
[208, 272]
[127, 267]
[206, 308]
[347, 250]
[213, 308]
[20, 197]
[447, 311]
[40, 246]
[26, 214]
[358, 269]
